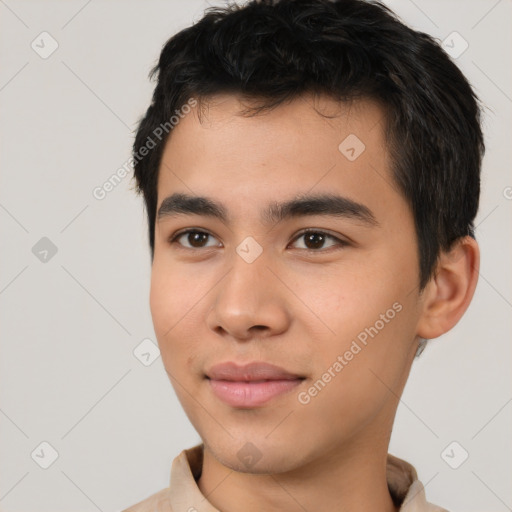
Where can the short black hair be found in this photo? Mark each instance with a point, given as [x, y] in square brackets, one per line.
[276, 50]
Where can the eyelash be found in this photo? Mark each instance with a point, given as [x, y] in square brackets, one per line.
[340, 243]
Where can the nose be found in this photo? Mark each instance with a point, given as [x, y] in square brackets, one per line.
[249, 302]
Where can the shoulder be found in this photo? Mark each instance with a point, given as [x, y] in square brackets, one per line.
[186, 468]
[407, 491]
[158, 502]
[416, 501]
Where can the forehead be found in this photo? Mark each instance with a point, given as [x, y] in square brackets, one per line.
[307, 131]
[312, 143]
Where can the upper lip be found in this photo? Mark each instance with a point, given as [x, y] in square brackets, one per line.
[250, 372]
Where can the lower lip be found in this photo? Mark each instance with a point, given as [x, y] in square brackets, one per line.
[251, 394]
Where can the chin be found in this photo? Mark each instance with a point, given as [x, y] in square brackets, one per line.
[255, 457]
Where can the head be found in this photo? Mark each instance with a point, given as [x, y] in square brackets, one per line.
[334, 117]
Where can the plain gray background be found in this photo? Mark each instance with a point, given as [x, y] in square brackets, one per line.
[70, 321]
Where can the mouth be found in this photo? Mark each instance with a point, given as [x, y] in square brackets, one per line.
[250, 385]
[255, 371]
[249, 394]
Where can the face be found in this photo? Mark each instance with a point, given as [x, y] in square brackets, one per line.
[337, 306]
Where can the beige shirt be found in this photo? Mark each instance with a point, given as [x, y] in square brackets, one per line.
[183, 494]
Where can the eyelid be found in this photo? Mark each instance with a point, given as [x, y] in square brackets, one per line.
[173, 238]
[340, 242]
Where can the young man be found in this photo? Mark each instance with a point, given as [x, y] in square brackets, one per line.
[311, 176]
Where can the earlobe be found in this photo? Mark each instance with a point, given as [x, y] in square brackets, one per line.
[449, 292]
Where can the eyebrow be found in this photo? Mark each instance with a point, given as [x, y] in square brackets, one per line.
[305, 205]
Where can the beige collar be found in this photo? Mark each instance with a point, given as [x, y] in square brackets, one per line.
[185, 496]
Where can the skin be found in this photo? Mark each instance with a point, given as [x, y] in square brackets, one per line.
[293, 307]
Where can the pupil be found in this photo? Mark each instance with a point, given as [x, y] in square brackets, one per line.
[314, 239]
[196, 238]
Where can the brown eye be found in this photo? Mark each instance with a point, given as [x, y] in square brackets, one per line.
[315, 240]
[193, 239]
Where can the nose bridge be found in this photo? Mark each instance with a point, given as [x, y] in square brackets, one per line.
[248, 296]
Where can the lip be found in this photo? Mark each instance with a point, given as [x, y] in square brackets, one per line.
[255, 371]
[250, 385]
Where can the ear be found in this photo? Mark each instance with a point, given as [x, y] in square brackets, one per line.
[448, 294]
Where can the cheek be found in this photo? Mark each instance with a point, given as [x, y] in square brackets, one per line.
[177, 302]
[340, 302]
[172, 298]
[171, 303]
[367, 376]
[368, 318]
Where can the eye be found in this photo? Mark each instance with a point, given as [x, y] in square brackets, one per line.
[194, 238]
[315, 240]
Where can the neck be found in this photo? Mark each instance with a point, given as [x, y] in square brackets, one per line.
[346, 478]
